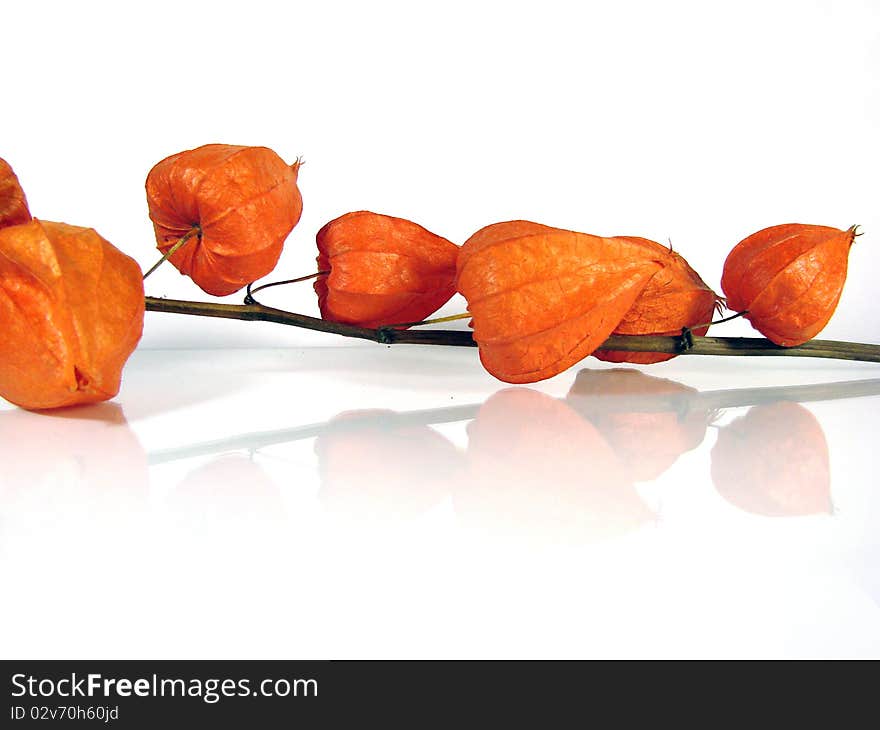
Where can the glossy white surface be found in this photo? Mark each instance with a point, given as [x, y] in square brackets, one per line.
[224, 506]
[395, 502]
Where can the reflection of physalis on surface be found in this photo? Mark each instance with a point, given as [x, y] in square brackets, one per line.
[85, 459]
[648, 421]
[773, 461]
[539, 471]
[78, 474]
[231, 490]
[373, 467]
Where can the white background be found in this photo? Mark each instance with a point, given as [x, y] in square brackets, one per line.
[690, 121]
[120, 536]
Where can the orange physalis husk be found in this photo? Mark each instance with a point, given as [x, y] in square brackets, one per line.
[243, 202]
[648, 421]
[674, 298]
[71, 313]
[382, 270]
[773, 461]
[13, 204]
[544, 298]
[538, 471]
[789, 278]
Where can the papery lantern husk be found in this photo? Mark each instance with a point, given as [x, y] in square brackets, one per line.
[13, 203]
[674, 298]
[773, 461]
[544, 298]
[380, 270]
[539, 472]
[243, 201]
[71, 313]
[375, 469]
[649, 422]
[789, 278]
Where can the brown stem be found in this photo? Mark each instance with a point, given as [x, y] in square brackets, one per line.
[262, 313]
[753, 346]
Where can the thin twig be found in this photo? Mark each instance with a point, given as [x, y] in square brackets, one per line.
[720, 321]
[251, 289]
[434, 320]
[195, 230]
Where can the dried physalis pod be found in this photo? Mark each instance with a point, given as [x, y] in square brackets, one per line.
[13, 204]
[71, 313]
[675, 297]
[789, 278]
[379, 270]
[544, 298]
[773, 461]
[238, 204]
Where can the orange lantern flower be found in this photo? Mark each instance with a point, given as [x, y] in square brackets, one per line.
[789, 278]
[241, 203]
[381, 270]
[13, 204]
[71, 313]
[544, 298]
[675, 297]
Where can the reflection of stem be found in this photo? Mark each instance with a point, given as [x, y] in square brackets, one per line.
[712, 400]
[755, 346]
[795, 393]
[262, 439]
[709, 400]
[195, 230]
